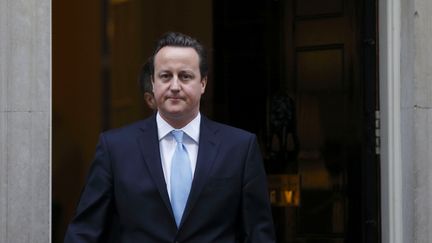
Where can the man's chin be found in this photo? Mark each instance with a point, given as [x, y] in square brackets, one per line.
[174, 114]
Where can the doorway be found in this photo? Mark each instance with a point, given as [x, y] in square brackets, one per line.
[302, 76]
[315, 60]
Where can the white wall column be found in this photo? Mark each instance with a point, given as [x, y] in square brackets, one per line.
[421, 15]
[391, 161]
[406, 105]
[25, 121]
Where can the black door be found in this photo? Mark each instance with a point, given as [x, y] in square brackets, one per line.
[302, 76]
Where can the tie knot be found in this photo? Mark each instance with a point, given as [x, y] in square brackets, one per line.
[178, 135]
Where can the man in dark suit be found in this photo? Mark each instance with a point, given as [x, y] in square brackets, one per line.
[176, 176]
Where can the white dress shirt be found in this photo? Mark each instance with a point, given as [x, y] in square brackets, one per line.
[167, 144]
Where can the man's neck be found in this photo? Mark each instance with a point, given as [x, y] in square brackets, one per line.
[178, 123]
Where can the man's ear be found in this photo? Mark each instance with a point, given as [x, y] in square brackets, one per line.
[203, 84]
[152, 82]
[150, 101]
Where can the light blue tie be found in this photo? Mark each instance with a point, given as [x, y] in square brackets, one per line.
[181, 177]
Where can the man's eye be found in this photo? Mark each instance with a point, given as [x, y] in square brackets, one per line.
[164, 76]
[186, 76]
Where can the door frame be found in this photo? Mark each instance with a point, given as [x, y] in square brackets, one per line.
[370, 167]
[392, 226]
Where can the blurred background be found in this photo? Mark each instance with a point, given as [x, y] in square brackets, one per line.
[301, 74]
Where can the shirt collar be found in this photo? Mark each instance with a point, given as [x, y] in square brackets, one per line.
[191, 129]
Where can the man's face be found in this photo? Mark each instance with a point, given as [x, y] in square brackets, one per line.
[177, 84]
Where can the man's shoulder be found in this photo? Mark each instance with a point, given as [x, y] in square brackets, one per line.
[131, 129]
[225, 129]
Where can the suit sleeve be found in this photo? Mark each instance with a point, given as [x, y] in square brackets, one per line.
[256, 210]
[95, 207]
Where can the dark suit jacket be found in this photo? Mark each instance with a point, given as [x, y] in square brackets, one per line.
[125, 199]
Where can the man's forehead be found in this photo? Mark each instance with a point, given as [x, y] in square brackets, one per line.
[171, 50]
[177, 55]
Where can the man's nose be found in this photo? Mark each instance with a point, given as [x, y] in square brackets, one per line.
[175, 83]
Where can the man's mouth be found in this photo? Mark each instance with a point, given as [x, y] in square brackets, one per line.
[174, 98]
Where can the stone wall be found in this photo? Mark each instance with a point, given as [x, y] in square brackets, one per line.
[25, 100]
[422, 120]
[416, 119]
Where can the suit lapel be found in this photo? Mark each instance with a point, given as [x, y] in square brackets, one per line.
[207, 151]
[149, 147]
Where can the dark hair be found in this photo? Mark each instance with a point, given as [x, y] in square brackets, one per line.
[182, 40]
[144, 78]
